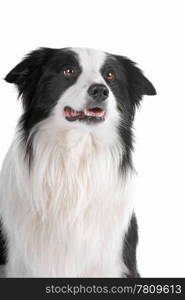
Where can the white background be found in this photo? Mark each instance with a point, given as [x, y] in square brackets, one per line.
[150, 32]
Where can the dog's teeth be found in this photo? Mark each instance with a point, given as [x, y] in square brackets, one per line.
[86, 112]
[88, 115]
[94, 114]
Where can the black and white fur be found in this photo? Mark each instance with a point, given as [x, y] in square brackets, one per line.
[66, 187]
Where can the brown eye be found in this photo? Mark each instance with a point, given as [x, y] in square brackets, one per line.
[109, 76]
[69, 72]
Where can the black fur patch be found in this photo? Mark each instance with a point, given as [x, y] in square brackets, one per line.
[2, 247]
[40, 80]
[129, 248]
[128, 86]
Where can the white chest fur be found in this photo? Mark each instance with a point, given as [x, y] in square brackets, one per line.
[68, 217]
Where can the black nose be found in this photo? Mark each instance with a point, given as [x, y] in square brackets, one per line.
[98, 92]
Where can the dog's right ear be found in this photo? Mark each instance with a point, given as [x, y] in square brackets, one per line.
[29, 70]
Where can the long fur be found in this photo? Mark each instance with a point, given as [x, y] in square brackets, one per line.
[66, 189]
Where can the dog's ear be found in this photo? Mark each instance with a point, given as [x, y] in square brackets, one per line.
[138, 84]
[29, 70]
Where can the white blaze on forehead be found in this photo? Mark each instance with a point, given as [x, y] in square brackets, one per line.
[91, 61]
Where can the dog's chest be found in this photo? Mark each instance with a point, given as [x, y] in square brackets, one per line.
[77, 207]
[88, 212]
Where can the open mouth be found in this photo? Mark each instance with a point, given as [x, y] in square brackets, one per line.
[95, 114]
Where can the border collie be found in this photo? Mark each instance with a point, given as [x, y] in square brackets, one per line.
[66, 183]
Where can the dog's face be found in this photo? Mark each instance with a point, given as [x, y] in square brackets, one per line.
[81, 89]
[87, 86]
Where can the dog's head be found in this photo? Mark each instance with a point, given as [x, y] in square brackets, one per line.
[80, 88]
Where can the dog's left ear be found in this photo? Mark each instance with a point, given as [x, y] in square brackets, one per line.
[138, 84]
[28, 71]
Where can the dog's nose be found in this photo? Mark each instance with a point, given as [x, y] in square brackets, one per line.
[98, 92]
